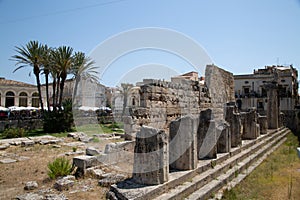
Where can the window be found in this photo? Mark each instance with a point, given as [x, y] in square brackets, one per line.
[23, 99]
[35, 100]
[9, 99]
[246, 90]
[246, 82]
[282, 80]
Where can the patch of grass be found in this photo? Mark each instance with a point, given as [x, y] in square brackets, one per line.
[14, 133]
[277, 177]
[59, 167]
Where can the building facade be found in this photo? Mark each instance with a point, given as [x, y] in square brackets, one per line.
[16, 93]
[250, 88]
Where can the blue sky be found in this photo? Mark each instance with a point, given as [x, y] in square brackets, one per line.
[239, 36]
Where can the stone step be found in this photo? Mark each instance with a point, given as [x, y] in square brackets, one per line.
[208, 190]
[183, 183]
[206, 176]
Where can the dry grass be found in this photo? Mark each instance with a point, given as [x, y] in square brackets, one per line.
[278, 177]
[13, 176]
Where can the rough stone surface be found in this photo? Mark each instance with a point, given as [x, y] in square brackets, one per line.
[4, 146]
[220, 84]
[84, 162]
[29, 196]
[31, 185]
[249, 121]
[7, 160]
[183, 143]
[55, 197]
[109, 179]
[27, 143]
[95, 173]
[151, 157]
[120, 146]
[224, 140]
[92, 151]
[64, 183]
[206, 135]
[272, 107]
[234, 120]
[263, 124]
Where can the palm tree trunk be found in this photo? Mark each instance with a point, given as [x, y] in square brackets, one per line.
[47, 90]
[54, 94]
[57, 91]
[38, 82]
[62, 84]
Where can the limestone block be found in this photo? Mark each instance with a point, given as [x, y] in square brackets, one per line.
[83, 162]
[263, 124]
[249, 125]
[224, 139]
[64, 183]
[234, 120]
[27, 143]
[183, 143]
[206, 135]
[151, 157]
[31, 185]
[92, 151]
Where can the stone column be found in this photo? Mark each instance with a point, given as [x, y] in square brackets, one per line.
[250, 126]
[234, 120]
[263, 124]
[151, 157]
[206, 136]
[183, 143]
[224, 140]
[273, 106]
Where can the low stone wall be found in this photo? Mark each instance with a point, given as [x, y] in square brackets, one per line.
[29, 124]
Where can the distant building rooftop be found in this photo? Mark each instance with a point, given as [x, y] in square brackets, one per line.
[6, 82]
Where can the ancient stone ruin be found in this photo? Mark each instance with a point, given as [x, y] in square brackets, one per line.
[179, 131]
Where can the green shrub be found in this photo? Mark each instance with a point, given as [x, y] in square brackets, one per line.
[59, 167]
[59, 121]
[14, 133]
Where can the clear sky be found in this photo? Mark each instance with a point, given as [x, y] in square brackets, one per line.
[238, 35]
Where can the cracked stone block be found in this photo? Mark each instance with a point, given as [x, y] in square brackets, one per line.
[92, 151]
[64, 183]
[151, 157]
[110, 179]
[7, 160]
[83, 162]
[27, 143]
[29, 196]
[31, 185]
[183, 143]
[4, 146]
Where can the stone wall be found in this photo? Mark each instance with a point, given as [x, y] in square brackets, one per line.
[162, 102]
[220, 84]
[29, 124]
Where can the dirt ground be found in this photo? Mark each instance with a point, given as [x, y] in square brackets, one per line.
[13, 176]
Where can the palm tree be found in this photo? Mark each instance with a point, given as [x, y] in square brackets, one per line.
[46, 62]
[31, 55]
[62, 58]
[83, 67]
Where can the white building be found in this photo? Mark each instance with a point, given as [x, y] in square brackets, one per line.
[250, 92]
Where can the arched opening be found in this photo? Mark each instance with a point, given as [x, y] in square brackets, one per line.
[23, 99]
[35, 100]
[9, 99]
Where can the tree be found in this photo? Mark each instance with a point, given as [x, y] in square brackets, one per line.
[31, 55]
[62, 57]
[46, 62]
